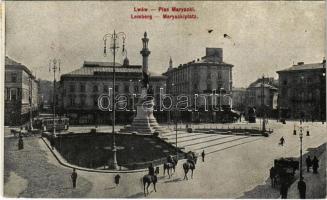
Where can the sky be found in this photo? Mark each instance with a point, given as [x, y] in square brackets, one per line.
[266, 36]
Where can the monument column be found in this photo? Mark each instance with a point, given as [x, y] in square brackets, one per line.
[145, 54]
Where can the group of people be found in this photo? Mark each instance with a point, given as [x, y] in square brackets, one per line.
[314, 163]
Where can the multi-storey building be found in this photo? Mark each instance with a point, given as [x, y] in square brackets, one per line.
[263, 94]
[202, 77]
[302, 93]
[239, 96]
[21, 93]
[81, 89]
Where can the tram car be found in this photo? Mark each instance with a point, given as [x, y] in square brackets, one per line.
[46, 123]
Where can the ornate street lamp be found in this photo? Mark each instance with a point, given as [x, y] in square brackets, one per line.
[114, 46]
[301, 138]
[54, 64]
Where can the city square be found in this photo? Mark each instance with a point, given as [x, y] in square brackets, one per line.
[122, 112]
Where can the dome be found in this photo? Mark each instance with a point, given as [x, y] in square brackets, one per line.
[126, 62]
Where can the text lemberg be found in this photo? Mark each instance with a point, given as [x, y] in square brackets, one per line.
[142, 16]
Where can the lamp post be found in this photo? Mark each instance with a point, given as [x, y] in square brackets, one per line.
[30, 102]
[302, 101]
[301, 137]
[114, 46]
[54, 64]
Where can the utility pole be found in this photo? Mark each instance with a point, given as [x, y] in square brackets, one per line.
[263, 104]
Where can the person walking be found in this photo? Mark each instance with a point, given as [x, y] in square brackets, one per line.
[308, 163]
[301, 186]
[117, 178]
[20, 143]
[272, 176]
[284, 189]
[73, 176]
[52, 142]
[315, 164]
[203, 154]
[282, 141]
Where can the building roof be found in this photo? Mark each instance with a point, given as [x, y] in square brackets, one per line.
[259, 85]
[238, 89]
[300, 67]
[10, 61]
[91, 68]
[13, 64]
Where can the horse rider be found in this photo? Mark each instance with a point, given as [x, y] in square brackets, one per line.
[191, 158]
[170, 159]
[152, 172]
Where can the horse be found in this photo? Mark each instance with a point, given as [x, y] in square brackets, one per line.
[169, 166]
[148, 179]
[188, 166]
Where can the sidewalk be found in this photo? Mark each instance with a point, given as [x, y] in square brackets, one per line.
[316, 183]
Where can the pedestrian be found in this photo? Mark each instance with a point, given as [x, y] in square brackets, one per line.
[282, 141]
[301, 186]
[272, 176]
[284, 189]
[117, 178]
[203, 154]
[157, 171]
[20, 143]
[52, 142]
[315, 165]
[308, 163]
[74, 177]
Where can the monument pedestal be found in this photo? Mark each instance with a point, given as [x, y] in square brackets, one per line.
[145, 122]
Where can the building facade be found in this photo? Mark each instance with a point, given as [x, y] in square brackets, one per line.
[202, 77]
[302, 93]
[239, 96]
[80, 90]
[263, 96]
[21, 93]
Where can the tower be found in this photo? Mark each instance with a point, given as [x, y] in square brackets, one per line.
[170, 64]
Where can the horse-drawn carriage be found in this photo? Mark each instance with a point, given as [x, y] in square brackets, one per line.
[283, 170]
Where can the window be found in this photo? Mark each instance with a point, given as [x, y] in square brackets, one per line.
[82, 100]
[209, 86]
[72, 100]
[126, 88]
[136, 88]
[7, 95]
[158, 89]
[116, 88]
[95, 88]
[72, 88]
[95, 100]
[105, 88]
[219, 75]
[14, 77]
[13, 94]
[82, 88]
